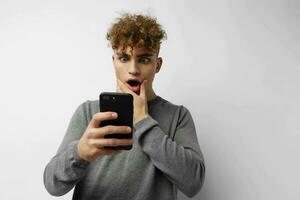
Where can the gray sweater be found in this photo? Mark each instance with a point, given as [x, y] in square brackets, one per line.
[165, 157]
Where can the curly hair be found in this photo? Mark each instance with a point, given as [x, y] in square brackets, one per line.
[135, 30]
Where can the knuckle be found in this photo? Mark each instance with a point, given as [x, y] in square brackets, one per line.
[126, 143]
[90, 142]
[95, 116]
[129, 142]
[90, 133]
[106, 115]
[109, 114]
[109, 129]
[112, 142]
[94, 151]
[124, 129]
[99, 115]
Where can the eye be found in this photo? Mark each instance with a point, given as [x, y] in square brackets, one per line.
[145, 60]
[123, 59]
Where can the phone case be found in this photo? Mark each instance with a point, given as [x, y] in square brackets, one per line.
[121, 103]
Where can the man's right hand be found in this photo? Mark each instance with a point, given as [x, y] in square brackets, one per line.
[91, 144]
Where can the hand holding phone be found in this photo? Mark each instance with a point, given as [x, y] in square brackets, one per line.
[93, 143]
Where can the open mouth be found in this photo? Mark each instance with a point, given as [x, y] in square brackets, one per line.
[134, 85]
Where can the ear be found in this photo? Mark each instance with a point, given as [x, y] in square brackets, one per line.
[158, 64]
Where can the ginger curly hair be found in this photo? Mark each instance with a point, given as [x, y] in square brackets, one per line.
[135, 30]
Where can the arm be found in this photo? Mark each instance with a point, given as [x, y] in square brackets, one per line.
[66, 168]
[180, 159]
[83, 143]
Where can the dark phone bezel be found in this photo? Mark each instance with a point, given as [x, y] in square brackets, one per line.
[122, 103]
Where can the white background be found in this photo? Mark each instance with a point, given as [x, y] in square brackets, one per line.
[233, 64]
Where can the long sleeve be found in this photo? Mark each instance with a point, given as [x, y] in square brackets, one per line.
[66, 168]
[179, 158]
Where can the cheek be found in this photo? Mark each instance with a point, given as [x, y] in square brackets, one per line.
[150, 77]
[118, 71]
[151, 74]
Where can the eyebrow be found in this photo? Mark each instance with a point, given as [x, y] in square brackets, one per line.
[145, 55]
[141, 55]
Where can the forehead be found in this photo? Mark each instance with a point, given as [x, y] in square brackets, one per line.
[134, 51]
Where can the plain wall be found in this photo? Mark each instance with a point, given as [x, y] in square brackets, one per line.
[233, 64]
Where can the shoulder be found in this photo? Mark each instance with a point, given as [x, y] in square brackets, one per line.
[178, 110]
[172, 106]
[88, 108]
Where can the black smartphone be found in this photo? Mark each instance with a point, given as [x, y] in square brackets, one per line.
[121, 103]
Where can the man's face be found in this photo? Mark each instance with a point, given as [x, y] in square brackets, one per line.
[133, 66]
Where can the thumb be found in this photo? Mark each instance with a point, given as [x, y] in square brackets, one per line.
[143, 89]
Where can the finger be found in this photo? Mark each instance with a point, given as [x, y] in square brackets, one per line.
[113, 142]
[101, 132]
[143, 89]
[101, 116]
[110, 142]
[112, 151]
[124, 88]
[106, 151]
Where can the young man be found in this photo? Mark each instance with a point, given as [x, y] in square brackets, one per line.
[165, 155]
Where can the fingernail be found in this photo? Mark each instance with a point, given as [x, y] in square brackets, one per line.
[114, 115]
[128, 129]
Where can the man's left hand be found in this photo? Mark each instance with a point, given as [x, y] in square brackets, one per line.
[139, 101]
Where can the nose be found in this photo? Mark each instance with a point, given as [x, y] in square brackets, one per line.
[134, 68]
